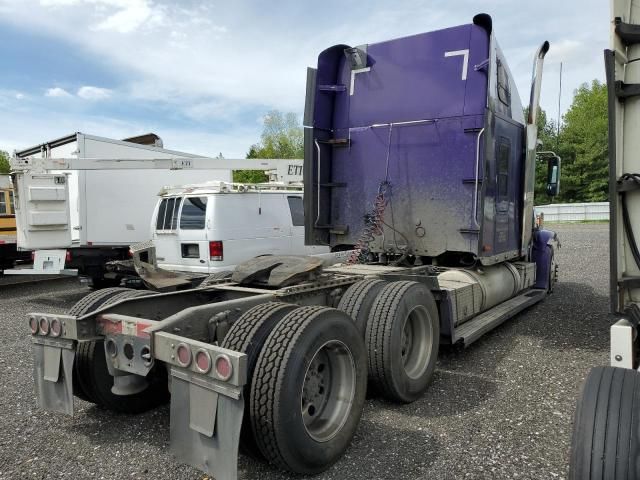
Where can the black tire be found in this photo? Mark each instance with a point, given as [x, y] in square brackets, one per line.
[87, 304]
[281, 379]
[358, 299]
[247, 335]
[215, 277]
[130, 293]
[94, 300]
[402, 370]
[606, 428]
[91, 379]
[96, 382]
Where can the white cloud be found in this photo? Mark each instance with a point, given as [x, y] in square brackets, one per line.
[19, 96]
[57, 92]
[93, 93]
[131, 16]
[567, 50]
[221, 63]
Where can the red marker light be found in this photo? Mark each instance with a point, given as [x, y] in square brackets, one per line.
[44, 326]
[56, 327]
[183, 355]
[224, 369]
[203, 361]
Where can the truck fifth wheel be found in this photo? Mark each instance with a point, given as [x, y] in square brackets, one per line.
[419, 173]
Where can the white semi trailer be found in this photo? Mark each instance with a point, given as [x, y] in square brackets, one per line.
[606, 434]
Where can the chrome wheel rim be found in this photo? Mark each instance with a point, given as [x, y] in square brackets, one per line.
[416, 341]
[328, 390]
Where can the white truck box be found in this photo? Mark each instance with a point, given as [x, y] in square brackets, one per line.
[106, 207]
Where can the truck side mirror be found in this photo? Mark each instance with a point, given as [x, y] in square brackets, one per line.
[553, 176]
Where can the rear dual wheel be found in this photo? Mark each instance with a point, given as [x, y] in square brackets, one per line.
[92, 381]
[400, 324]
[247, 335]
[403, 337]
[308, 389]
[88, 303]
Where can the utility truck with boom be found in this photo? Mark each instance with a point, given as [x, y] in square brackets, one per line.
[419, 174]
[82, 200]
[606, 431]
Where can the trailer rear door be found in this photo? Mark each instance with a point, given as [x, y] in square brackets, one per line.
[42, 210]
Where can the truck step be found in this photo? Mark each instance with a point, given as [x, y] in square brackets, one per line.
[472, 330]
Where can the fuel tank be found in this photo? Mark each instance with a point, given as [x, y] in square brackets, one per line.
[490, 285]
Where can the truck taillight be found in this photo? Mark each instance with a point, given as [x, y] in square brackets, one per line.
[33, 325]
[67, 256]
[203, 361]
[224, 368]
[55, 327]
[183, 354]
[215, 250]
[44, 326]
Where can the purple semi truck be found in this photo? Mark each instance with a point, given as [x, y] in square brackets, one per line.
[419, 174]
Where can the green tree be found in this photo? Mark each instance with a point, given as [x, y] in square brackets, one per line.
[282, 137]
[582, 145]
[5, 167]
[586, 162]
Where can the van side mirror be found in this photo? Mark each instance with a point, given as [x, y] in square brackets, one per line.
[553, 175]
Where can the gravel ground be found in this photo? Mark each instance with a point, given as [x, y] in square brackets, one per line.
[500, 409]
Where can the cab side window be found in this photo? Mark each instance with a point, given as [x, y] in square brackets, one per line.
[297, 211]
[3, 203]
[504, 90]
[193, 216]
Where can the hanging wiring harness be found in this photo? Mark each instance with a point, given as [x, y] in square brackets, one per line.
[629, 178]
[373, 225]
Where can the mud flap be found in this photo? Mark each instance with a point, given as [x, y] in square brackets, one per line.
[206, 417]
[53, 371]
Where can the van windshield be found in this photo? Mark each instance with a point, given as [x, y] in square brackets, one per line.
[193, 213]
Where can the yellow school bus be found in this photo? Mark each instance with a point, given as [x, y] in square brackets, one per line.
[8, 247]
[7, 214]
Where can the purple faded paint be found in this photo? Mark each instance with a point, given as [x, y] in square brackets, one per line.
[431, 164]
[541, 254]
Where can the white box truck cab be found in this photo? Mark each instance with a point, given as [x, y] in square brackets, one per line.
[210, 228]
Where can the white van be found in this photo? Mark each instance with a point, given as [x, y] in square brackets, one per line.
[212, 227]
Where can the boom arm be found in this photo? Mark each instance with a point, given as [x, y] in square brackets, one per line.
[284, 167]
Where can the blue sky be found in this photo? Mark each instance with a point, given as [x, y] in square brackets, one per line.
[202, 74]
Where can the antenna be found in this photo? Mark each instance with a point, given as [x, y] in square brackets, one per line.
[559, 98]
